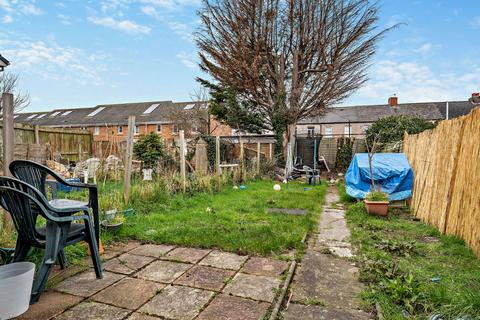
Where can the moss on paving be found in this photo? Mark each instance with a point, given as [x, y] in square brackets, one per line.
[413, 271]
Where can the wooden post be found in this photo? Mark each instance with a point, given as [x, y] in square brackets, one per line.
[258, 157]
[241, 158]
[217, 160]
[8, 146]
[8, 131]
[270, 151]
[37, 134]
[128, 158]
[182, 160]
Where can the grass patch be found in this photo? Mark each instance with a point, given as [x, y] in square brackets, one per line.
[413, 271]
[233, 220]
[344, 197]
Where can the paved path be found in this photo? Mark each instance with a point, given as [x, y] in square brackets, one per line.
[325, 285]
[151, 282]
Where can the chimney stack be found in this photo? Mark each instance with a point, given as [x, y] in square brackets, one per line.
[475, 97]
[393, 101]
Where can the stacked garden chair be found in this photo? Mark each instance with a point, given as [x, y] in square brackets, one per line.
[25, 202]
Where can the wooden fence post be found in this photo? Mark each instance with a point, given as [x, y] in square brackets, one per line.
[258, 157]
[8, 146]
[8, 131]
[217, 160]
[182, 160]
[128, 158]
[270, 151]
[242, 156]
[36, 134]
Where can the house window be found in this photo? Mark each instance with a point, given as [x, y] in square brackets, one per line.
[311, 131]
[347, 130]
[175, 129]
[120, 129]
[328, 131]
[96, 132]
[137, 129]
[159, 128]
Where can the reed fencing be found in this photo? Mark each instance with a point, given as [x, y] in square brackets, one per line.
[446, 163]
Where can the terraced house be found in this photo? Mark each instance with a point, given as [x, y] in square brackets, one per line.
[109, 122]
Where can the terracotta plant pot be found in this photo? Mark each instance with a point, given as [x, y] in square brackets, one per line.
[377, 208]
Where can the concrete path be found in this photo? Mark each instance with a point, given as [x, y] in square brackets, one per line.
[152, 282]
[325, 285]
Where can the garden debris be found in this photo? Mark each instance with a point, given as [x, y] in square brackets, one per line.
[243, 187]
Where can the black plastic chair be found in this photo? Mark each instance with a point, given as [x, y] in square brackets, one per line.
[36, 175]
[25, 204]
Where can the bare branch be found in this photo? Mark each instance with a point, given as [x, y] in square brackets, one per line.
[10, 83]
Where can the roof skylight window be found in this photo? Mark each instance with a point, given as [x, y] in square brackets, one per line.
[41, 116]
[151, 108]
[31, 116]
[56, 113]
[95, 112]
[66, 113]
[189, 106]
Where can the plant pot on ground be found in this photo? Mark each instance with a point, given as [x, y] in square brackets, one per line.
[113, 225]
[376, 203]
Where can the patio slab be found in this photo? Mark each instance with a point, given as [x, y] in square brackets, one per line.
[260, 288]
[163, 271]
[190, 255]
[122, 246]
[223, 260]
[177, 302]
[51, 303]
[298, 311]
[129, 293]
[205, 278]
[93, 311]
[328, 278]
[152, 250]
[225, 307]
[86, 284]
[264, 267]
[127, 263]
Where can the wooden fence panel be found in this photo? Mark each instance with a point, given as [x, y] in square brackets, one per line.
[446, 163]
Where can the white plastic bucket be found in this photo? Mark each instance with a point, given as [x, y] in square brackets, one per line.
[16, 281]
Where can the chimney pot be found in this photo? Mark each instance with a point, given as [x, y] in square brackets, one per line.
[393, 101]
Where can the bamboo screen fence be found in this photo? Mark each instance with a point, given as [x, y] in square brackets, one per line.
[446, 163]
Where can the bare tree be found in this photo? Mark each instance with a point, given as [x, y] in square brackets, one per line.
[10, 83]
[292, 58]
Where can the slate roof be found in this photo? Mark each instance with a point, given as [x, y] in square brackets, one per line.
[370, 113]
[111, 114]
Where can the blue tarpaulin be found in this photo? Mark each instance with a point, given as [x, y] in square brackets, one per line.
[391, 172]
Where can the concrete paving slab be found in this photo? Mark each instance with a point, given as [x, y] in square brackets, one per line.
[303, 312]
[127, 263]
[163, 271]
[265, 266]
[93, 311]
[177, 302]
[205, 278]
[260, 288]
[86, 284]
[122, 246]
[152, 250]
[190, 255]
[223, 260]
[129, 293]
[328, 278]
[225, 307]
[51, 303]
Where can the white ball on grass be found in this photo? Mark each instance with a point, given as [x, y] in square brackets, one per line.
[277, 187]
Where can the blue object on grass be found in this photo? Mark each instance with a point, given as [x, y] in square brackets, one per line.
[391, 172]
[67, 189]
[242, 187]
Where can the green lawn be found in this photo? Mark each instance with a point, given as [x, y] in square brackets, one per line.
[411, 269]
[232, 220]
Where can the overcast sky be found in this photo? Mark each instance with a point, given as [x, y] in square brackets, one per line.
[83, 53]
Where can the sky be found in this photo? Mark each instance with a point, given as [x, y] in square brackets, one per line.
[80, 53]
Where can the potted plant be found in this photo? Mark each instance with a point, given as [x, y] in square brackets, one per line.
[376, 201]
[113, 225]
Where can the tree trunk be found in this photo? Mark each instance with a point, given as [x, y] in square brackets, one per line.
[289, 137]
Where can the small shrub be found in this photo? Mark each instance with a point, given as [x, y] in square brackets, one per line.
[376, 196]
[150, 150]
[344, 153]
